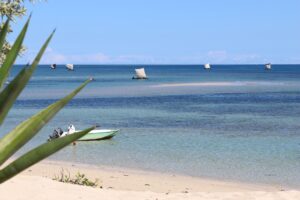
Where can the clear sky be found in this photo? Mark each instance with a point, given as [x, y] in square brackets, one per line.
[166, 31]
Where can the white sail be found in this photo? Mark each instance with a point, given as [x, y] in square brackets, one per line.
[140, 73]
[207, 66]
[268, 66]
[70, 66]
[53, 66]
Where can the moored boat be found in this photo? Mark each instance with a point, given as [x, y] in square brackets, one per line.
[103, 134]
[53, 66]
[268, 66]
[140, 74]
[100, 134]
[207, 66]
[70, 67]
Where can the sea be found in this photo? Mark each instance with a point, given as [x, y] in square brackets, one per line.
[232, 122]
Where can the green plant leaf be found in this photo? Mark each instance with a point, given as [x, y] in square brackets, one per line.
[3, 33]
[10, 93]
[14, 140]
[12, 54]
[37, 154]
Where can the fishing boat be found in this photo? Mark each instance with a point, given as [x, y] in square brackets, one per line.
[268, 66]
[140, 74]
[100, 134]
[70, 67]
[207, 66]
[53, 66]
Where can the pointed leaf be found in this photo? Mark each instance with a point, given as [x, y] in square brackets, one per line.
[3, 33]
[37, 154]
[12, 91]
[14, 140]
[12, 55]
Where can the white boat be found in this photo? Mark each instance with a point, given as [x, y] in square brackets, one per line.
[70, 67]
[268, 66]
[100, 134]
[207, 66]
[53, 66]
[140, 74]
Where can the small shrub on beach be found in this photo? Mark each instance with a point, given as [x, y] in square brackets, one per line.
[79, 179]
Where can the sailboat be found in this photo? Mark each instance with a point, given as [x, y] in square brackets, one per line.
[207, 66]
[140, 74]
[268, 66]
[53, 66]
[70, 67]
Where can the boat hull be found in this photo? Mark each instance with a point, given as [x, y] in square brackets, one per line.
[144, 78]
[99, 135]
[95, 135]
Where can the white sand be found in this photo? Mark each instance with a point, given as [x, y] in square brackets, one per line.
[36, 184]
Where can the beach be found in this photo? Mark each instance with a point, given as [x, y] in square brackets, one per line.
[149, 100]
[37, 183]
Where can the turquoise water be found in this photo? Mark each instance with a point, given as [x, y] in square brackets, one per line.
[233, 122]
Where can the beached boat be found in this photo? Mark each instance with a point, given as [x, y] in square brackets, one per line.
[53, 66]
[70, 67]
[101, 134]
[140, 74]
[207, 66]
[268, 66]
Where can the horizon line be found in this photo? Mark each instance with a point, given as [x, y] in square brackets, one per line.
[163, 64]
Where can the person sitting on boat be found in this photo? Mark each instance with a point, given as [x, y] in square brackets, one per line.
[71, 129]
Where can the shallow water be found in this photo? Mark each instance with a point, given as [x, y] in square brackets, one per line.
[182, 120]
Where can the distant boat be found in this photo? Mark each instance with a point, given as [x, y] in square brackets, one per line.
[207, 66]
[140, 74]
[268, 66]
[53, 66]
[70, 67]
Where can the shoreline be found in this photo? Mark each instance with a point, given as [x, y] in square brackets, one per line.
[130, 184]
[116, 177]
[147, 172]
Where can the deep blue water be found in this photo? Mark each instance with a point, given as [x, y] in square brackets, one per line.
[232, 122]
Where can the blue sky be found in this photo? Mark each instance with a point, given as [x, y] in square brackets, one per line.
[166, 31]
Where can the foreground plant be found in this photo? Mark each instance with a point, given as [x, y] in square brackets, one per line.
[21, 134]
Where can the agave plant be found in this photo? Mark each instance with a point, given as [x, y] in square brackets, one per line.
[21, 134]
